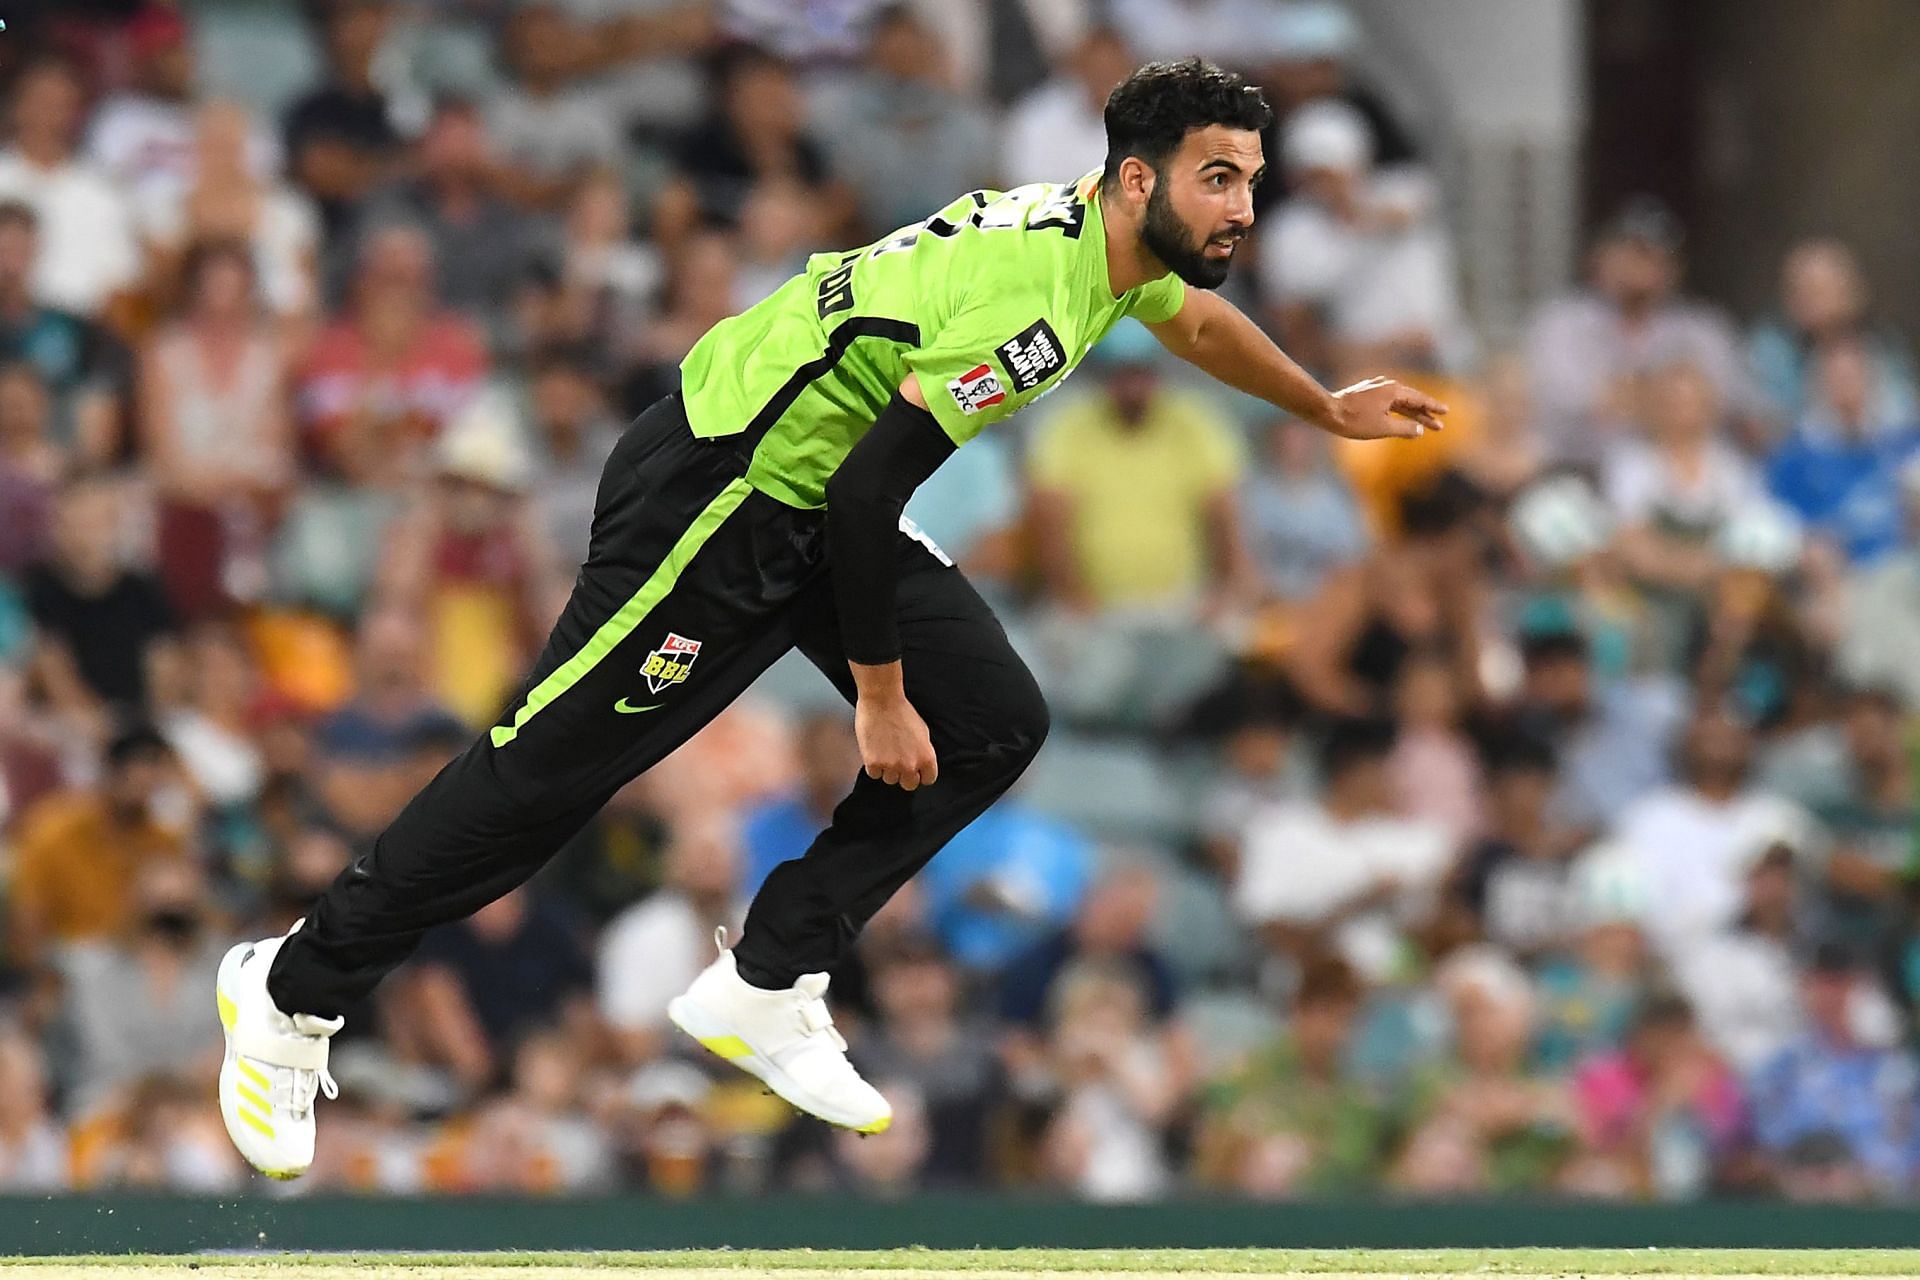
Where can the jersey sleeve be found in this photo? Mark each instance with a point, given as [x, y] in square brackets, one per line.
[1158, 301]
[986, 361]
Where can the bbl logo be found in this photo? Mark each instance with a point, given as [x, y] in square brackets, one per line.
[671, 662]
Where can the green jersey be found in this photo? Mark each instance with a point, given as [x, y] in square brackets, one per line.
[991, 302]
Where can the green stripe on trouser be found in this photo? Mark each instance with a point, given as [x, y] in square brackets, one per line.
[630, 614]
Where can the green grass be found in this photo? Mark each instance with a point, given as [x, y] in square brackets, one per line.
[1276, 1262]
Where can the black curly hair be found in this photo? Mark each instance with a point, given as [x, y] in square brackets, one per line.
[1150, 112]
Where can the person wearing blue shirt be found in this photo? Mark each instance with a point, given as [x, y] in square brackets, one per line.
[1005, 881]
[1838, 470]
[782, 830]
[1830, 1096]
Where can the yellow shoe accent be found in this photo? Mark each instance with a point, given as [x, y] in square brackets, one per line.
[727, 1046]
[878, 1126]
[265, 1108]
[253, 1121]
[283, 1175]
[228, 1013]
[253, 1073]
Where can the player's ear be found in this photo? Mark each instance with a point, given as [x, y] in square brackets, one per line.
[1137, 178]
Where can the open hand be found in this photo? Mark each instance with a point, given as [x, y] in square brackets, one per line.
[1382, 409]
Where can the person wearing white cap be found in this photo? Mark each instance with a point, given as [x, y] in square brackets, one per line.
[1358, 266]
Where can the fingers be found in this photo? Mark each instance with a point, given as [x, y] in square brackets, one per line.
[908, 776]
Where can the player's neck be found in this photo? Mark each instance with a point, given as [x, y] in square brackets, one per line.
[1129, 264]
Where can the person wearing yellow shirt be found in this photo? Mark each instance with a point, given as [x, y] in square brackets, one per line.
[1134, 492]
[78, 853]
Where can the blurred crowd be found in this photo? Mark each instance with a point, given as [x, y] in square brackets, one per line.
[1524, 810]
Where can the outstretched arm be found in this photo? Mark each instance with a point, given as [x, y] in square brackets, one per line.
[1213, 335]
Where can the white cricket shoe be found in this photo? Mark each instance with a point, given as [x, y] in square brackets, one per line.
[786, 1038]
[275, 1064]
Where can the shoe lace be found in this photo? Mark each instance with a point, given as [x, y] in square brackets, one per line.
[301, 1087]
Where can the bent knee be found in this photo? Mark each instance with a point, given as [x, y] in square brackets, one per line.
[1023, 722]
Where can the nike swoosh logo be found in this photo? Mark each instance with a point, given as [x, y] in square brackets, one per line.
[626, 708]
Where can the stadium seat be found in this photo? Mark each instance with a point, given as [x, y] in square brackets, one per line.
[1108, 787]
[257, 52]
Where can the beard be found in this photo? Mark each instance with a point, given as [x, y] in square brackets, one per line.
[1169, 240]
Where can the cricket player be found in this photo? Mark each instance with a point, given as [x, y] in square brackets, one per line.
[757, 510]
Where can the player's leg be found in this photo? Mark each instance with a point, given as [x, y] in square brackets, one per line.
[987, 719]
[761, 1004]
[680, 606]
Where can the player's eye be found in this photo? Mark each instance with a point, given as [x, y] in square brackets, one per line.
[1219, 179]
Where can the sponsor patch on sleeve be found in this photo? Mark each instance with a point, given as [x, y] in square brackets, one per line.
[977, 389]
[1032, 356]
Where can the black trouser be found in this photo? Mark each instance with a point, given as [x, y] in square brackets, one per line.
[683, 554]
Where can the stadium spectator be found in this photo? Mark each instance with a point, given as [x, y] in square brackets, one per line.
[782, 830]
[1111, 927]
[1742, 982]
[1664, 1110]
[1480, 1123]
[1824, 299]
[1866, 807]
[89, 255]
[78, 853]
[1003, 882]
[473, 562]
[481, 985]
[1315, 44]
[482, 245]
[1516, 877]
[616, 274]
[903, 140]
[82, 368]
[1357, 269]
[31, 466]
[219, 441]
[1833, 1110]
[135, 1002]
[536, 1139]
[1302, 523]
[382, 381]
[106, 632]
[924, 1039]
[33, 1144]
[1427, 592]
[1838, 469]
[573, 433]
[1591, 351]
[650, 951]
[361, 745]
[1604, 970]
[212, 726]
[1135, 492]
[1695, 838]
[1436, 774]
[1118, 1089]
[1057, 131]
[550, 129]
[340, 138]
[1343, 872]
[227, 197]
[1612, 736]
[1292, 1120]
[758, 133]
